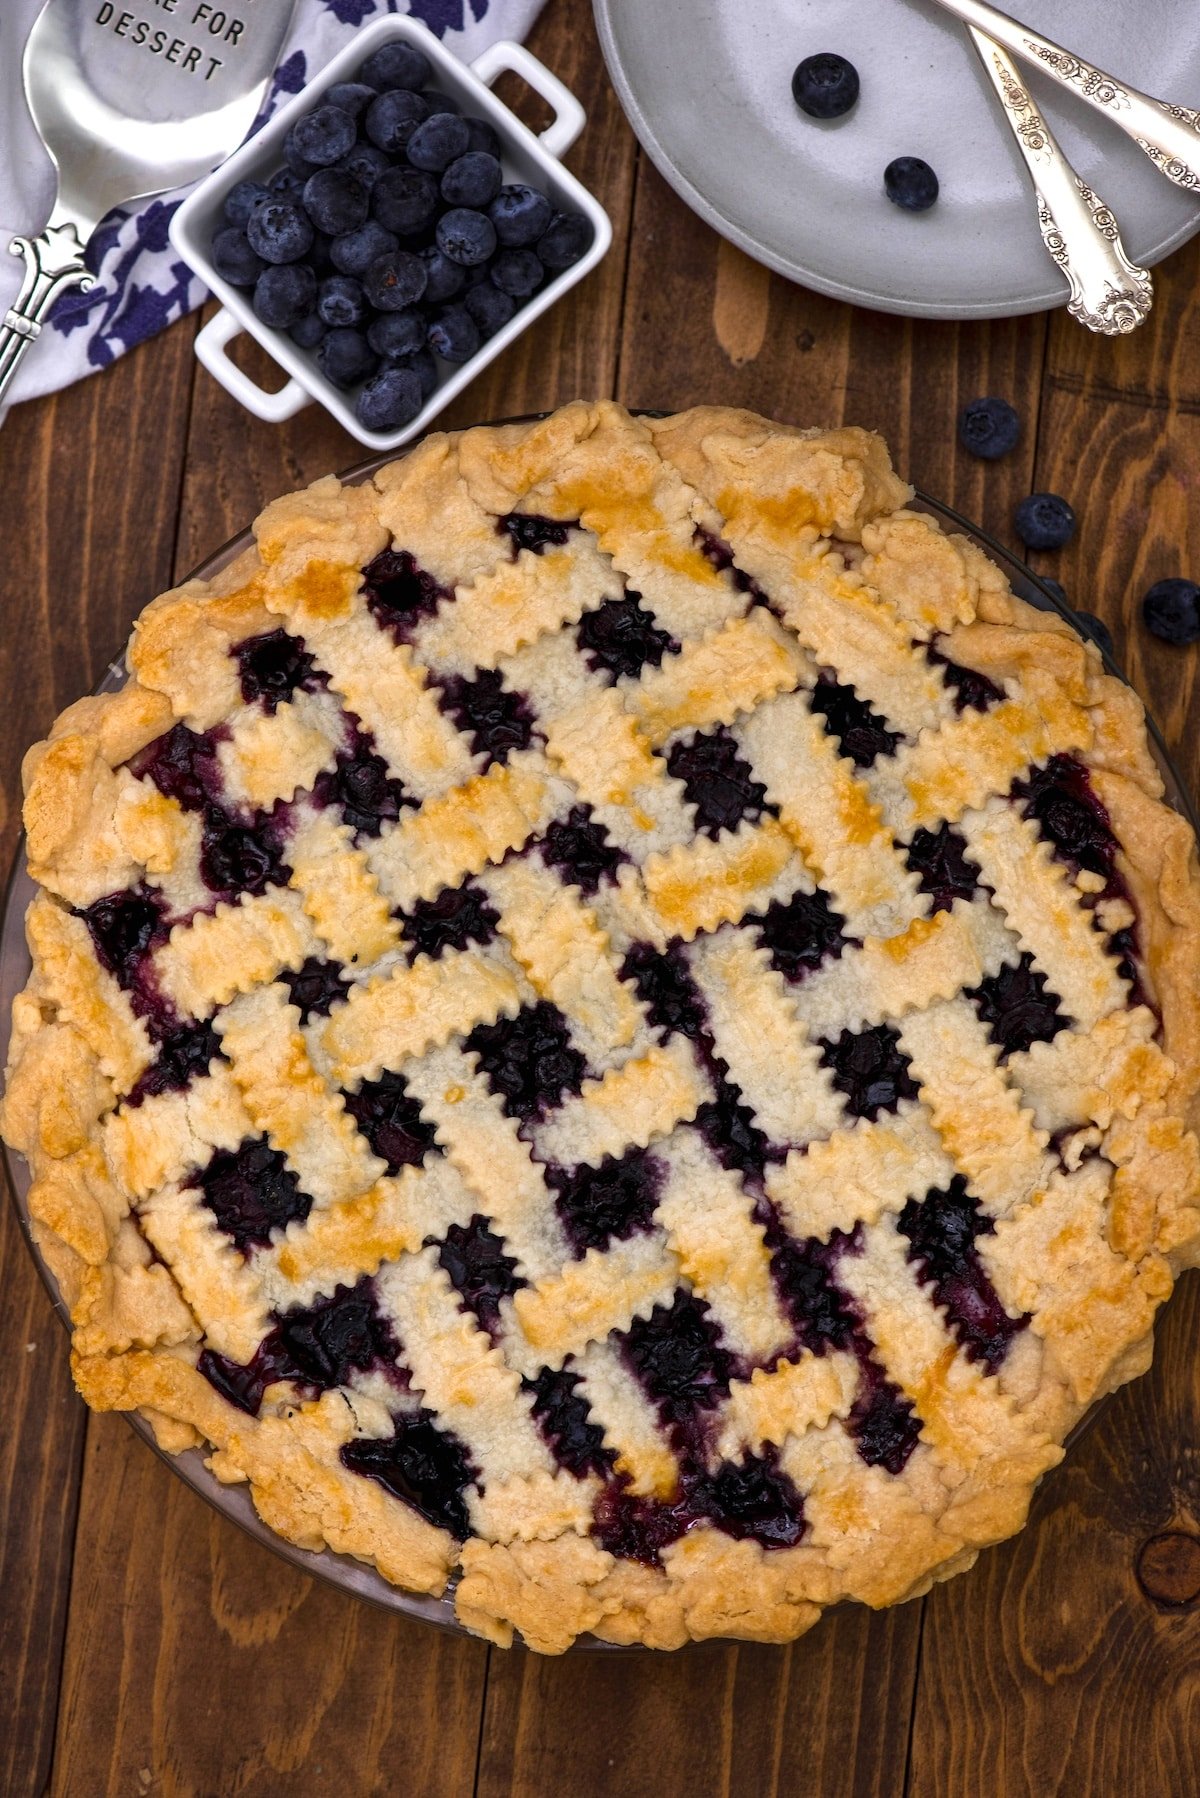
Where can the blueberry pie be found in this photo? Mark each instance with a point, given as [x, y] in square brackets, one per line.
[614, 1027]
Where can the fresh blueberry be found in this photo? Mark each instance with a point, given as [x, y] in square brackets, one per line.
[490, 308]
[284, 294]
[395, 281]
[564, 240]
[366, 163]
[520, 215]
[392, 118]
[345, 357]
[286, 185]
[988, 428]
[319, 258]
[436, 143]
[389, 400]
[1171, 609]
[425, 369]
[445, 278]
[396, 334]
[1058, 590]
[405, 201]
[353, 252]
[233, 258]
[324, 134]
[279, 231]
[351, 96]
[336, 201]
[825, 85]
[471, 180]
[482, 136]
[396, 65]
[298, 164]
[454, 336]
[466, 236]
[308, 332]
[1096, 629]
[341, 301]
[440, 102]
[1044, 521]
[241, 200]
[518, 272]
[910, 183]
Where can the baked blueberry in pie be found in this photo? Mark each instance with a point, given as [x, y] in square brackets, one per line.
[613, 1026]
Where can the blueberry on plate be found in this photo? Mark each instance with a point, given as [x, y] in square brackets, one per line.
[307, 332]
[518, 272]
[1044, 521]
[392, 117]
[405, 201]
[241, 200]
[520, 215]
[490, 308]
[564, 240]
[396, 65]
[344, 356]
[825, 85]
[366, 162]
[352, 96]
[439, 141]
[910, 184]
[466, 236]
[440, 102]
[395, 281]
[336, 201]
[424, 367]
[284, 293]
[319, 258]
[445, 279]
[324, 134]
[353, 252]
[233, 258]
[482, 136]
[988, 427]
[395, 334]
[279, 231]
[1171, 609]
[298, 163]
[341, 301]
[1097, 630]
[389, 400]
[286, 185]
[454, 335]
[471, 180]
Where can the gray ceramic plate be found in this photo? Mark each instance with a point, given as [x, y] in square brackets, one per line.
[707, 87]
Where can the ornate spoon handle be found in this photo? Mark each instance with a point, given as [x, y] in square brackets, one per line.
[1170, 135]
[1109, 293]
[53, 261]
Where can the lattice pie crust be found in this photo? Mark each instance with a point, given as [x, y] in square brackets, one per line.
[615, 1020]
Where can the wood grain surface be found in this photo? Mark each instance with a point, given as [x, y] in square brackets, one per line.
[148, 1647]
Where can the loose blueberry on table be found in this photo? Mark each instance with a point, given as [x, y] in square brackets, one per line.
[392, 204]
[988, 427]
[1044, 521]
[1171, 609]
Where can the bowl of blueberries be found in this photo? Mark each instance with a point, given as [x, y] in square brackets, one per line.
[390, 231]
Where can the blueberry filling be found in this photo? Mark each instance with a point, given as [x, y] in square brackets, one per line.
[752, 1500]
[479, 1269]
[361, 787]
[666, 988]
[882, 1422]
[939, 859]
[125, 928]
[400, 593]
[561, 1413]
[621, 637]
[1059, 797]
[391, 1121]
[274, 667]
[677, 1356]
[453, 918]
[861, 732]
[529, 530]
[730, 1131]
[614, 1200]
[942, 1230]
[717, 781]
[870, 1068]
[496, 720]
[1018, 1007]
[316, 1347]
[240, 858]
[184, 1053]
[424, 1465]
[529, 1060]
[315, 987]
[804, 1271]
[579, 847]
[251, 1191]
[800, 932]
[969, 688]
[183, 766]
[718, 552]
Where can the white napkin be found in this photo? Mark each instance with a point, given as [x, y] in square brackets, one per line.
[142, 285]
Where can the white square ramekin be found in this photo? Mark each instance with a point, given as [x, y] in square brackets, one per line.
[525, 157]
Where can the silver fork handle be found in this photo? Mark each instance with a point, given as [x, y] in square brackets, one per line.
[53, 262]
[1170, 135]
[1109, 293]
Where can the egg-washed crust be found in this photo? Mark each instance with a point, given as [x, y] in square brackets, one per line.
[1079, 1149]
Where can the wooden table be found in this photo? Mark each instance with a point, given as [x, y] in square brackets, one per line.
[146, 1646]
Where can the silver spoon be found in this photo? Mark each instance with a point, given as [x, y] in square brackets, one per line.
[1109, 293]
[130, 103]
